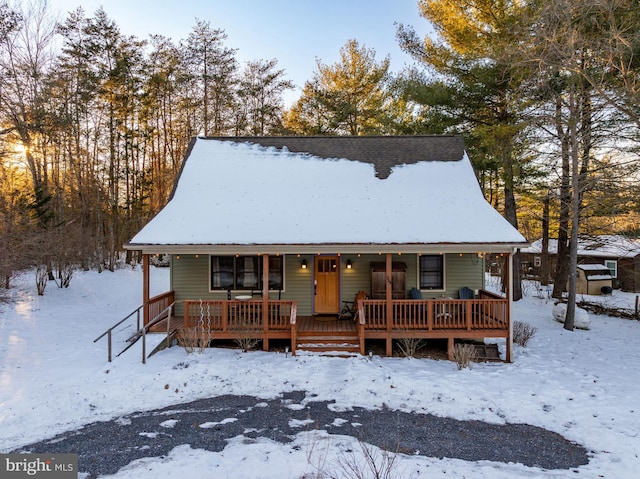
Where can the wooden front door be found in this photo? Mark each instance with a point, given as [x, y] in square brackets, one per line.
[326, 285]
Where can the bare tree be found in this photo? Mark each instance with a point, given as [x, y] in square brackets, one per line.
[26, 54]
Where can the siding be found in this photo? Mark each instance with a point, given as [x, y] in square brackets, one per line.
[190, 277]
[462, 270]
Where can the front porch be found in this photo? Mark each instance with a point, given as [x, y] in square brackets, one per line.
[486, 316]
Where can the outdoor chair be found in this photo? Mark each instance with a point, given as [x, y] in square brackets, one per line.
[350, 308]
[415, 293]
[419, 312]
[465, 293]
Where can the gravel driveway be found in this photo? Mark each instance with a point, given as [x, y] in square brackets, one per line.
[208, 423]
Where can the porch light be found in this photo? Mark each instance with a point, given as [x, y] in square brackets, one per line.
[349, 264]
[303, 264]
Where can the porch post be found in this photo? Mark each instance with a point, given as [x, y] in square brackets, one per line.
[145, 289]
[389, 298]
[509, 287]
[265, 302]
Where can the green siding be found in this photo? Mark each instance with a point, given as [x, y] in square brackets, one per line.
[190, 277]
[466, 270]
[298, 282]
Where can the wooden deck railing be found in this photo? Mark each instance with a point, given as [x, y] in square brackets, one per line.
[235, 315]
[159, 303]
[436, 314]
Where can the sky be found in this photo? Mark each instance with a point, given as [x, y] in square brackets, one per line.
[295, 32]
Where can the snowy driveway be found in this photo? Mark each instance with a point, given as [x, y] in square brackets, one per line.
[106, 447]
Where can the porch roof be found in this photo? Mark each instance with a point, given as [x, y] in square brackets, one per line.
[341, 194]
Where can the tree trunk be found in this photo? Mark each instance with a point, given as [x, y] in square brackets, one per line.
[510, 214]
[562, 254]
[544, 260]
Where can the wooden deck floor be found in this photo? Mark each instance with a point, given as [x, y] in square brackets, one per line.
[309, 324]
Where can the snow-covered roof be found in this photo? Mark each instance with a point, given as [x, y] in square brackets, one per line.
[601, 246]
[233, 192]
[593, 267]
[595, 272]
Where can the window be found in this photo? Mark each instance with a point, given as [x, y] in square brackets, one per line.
[244, 272]
[432, 271]
[612, 264]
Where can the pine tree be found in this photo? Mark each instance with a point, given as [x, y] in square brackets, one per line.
[260, 92]
[212, 69]
[475, 88]
[347, 98]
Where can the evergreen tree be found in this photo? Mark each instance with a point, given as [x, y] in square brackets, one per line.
[212, 70]
[474, 86]
[347, 98]
[260, 102]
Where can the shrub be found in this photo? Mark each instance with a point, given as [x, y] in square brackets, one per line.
[523, 332]
[370, 462]
[247, 333]
[463, 354]
[193, 339]
[41, 279]
[246, 343]
[410, 346]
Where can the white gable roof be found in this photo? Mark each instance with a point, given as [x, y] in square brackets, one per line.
[233, 193]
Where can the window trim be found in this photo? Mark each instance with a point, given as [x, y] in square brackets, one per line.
[234, 288]
[443, 274]
[615, 266]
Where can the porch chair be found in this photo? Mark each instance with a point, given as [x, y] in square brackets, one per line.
[465, 293]
[421, 311]
[350, 308]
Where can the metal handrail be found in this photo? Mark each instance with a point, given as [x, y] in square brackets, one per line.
[142, 332]
[108, 331]
[139, 331]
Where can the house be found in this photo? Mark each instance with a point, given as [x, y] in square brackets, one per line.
[271, 236]
[621, 255]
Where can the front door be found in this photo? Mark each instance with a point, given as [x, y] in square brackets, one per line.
[326, 285]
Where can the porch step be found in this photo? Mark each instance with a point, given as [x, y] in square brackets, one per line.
[487, 352]
[330, 353]
[332, 350]
[340, 344]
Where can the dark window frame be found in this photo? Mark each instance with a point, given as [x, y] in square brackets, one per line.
[244, 273]
[431, 272]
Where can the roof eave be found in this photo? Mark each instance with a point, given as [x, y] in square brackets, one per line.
[327, 248]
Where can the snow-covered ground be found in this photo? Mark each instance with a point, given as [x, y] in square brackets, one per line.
[584, 385]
